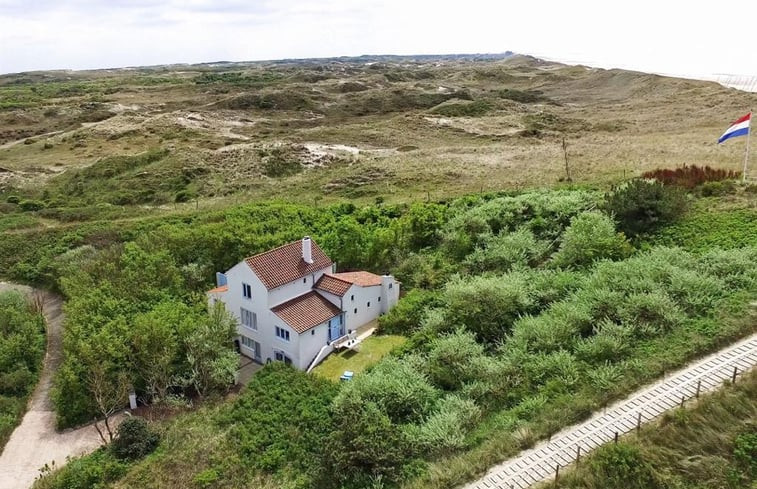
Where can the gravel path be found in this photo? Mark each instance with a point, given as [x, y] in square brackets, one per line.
[539, 463]
[35, 442]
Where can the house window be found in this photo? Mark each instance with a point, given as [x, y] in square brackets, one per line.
[246, 291]
[249, 319]
[282, 333]
[312, 332]
[379, 299]
[352, 298]
[305, 280]
[369, 304]
[390, 285]
[356, 310]
[280, 356]
[252, 345]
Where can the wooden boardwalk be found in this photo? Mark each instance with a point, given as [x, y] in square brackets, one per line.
[540, 463]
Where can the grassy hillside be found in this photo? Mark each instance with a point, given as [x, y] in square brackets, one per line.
[395, 129]
[713, 444]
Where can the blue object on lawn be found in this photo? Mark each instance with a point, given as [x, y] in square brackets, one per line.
[347, 375]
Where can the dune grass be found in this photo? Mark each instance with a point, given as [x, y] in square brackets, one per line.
[713, 444]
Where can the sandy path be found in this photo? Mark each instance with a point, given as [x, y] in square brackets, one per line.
[35, 442]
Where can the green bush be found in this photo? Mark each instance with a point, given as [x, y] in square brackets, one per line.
[452, 359]
[282, 420]
[396, 387]
[487, 306]
[446, 428]
[407, 315]
[31, 205]
[642, 206]
[507, 251]
[134, 439]
[621, 466]
[591, 236]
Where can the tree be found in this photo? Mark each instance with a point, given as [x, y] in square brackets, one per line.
[155, 346]
[103, 358]
[641, 206]
[365, 445]
[212, 360]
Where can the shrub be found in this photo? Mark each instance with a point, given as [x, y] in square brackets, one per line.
[691, 176]
[506, 251]
[365, 445]
[446, 428]
[745, 452]
[406, 316]
[31, 205]
[452, 359]
[591, 236]
[487, 306]
[13, 199]
[641, 206]
[282, 419]
[397, 388]
[621, 465]
[650, 313]
[134, 439]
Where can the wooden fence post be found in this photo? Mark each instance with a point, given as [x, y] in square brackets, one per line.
[638, 422]
[578, 453]
[683, 399]
[735, 371]
[557, 472]
[616, 437]
[699, 386]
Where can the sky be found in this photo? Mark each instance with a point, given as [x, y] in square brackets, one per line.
[692, 38]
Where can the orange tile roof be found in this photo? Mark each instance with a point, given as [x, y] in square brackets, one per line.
[332, 284]
[363, 279]
[284, 264]
[222, 288]
[306, 311]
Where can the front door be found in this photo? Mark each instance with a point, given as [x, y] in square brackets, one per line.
[335, 328]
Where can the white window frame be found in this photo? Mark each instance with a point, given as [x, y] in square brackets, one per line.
[248, 319]
[252, 345]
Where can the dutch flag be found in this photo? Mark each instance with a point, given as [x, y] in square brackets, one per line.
[739, 128]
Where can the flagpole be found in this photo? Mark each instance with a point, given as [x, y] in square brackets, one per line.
[746, 154]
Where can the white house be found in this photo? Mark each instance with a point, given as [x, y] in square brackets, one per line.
[292, 307]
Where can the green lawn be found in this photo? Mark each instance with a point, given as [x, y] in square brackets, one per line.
[372, 349]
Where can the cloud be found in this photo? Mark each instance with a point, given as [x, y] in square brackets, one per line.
[646, 35]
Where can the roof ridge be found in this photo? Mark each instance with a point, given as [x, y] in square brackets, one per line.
[335, 278]
[274, 249]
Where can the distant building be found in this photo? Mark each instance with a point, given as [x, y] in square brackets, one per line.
[292, 307]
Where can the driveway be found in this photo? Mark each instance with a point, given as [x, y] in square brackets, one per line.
[35, 442]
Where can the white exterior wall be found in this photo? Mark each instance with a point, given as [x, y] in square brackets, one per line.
[295, 288]
[311, 342]
[333, 298]
[390, 293]
[266, 320]
[365, 314]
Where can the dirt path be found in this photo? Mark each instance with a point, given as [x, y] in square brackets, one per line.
[539, 463]
[35, 442]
